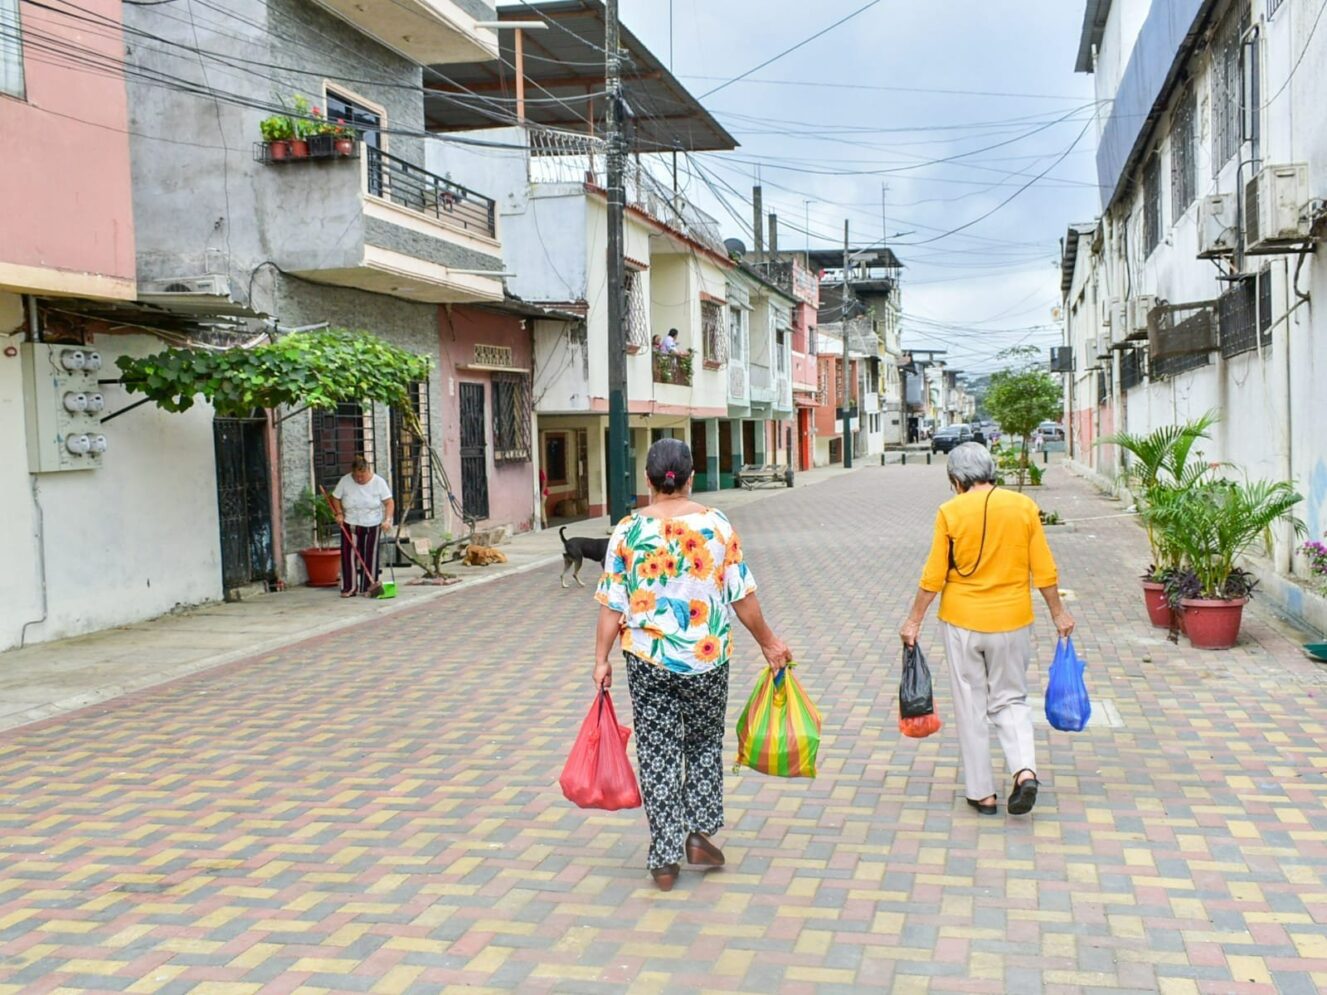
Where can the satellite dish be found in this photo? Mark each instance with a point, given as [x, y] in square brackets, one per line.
[735, 246]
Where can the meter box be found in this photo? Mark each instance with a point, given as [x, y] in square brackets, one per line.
[64, 407]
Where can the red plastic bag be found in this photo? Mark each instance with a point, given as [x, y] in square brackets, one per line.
[921, 726]
[598, 773]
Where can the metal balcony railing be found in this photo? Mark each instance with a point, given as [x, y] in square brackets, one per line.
[407, 185]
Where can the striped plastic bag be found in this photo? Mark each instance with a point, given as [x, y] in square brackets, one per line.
[779, 729]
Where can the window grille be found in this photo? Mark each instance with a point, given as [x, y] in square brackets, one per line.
[493, 355]
[1173, 366]
[712, 333]
[637, 313]
[1245, 312]
[1227, 87]
[339, 436]
[1152, 203]
[735, 349]
[412, 483]
[1103, 388]
[511, 418]
[1131, 368]
[1183, 149]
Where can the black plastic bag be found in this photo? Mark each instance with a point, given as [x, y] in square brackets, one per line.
[914, 690]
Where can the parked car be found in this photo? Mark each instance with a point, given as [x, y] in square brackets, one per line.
[979, 433]
[1051, 431]
[950, 436]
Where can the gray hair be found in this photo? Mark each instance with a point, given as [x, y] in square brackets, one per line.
[971, 464]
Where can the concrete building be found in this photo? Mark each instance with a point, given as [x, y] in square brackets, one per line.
[760, 394]
[1193, 291]
[82, 554]
[548, 176]
[792, 272]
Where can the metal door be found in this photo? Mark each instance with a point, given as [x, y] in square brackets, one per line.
[474, 452]
[244, 500]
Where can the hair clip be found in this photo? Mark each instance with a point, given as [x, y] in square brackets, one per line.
[670, 475]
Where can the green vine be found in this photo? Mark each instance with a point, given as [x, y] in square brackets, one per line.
[318, 369]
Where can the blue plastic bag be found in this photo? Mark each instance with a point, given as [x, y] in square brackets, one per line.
[1067, 705]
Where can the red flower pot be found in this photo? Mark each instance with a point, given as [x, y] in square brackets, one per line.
[1158, 608]
[299, 148]
[279, 150]
[345, 146]
[323, 566]
[1212, 624]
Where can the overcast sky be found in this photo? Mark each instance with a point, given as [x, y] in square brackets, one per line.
[872, 102]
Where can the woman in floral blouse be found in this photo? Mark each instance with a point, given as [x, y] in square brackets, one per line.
[672, 580]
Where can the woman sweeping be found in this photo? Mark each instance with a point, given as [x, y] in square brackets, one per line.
[672, 579]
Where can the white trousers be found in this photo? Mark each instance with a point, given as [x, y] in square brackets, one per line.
[989, 679]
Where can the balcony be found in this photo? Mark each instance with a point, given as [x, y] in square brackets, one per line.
[738, 392]
[383, 224]
[762, 384]
[427, 31]
[673, 368]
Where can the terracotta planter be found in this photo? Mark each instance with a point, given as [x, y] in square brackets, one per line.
[279, 150]
[299, 148]
[1212, 624]
[323, 566]
[345, 146]
[1158, 608]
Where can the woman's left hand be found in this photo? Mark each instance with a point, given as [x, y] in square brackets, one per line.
[603, 675]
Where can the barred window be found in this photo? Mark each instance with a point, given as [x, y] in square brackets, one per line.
[1227, 87]
[338, 436]
[713, 334]
[412, 483]
[1245, 315]
[1172, 366]
[1131, 368]
[636, 314]
[511, 418]
[1152, 203]
[11, 49]
[1183, 150]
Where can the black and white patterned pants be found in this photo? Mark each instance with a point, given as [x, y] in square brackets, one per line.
[679, 747]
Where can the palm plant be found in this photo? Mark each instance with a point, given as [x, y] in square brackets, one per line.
[1214, 523]
[1163, 468]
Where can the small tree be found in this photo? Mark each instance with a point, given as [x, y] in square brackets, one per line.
[1021, 396]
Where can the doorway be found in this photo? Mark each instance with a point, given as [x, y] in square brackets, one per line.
[244, 501]
[474, 452]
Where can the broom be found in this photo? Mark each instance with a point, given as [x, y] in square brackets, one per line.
[376, 589]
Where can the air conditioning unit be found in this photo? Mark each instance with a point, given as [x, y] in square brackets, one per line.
[1117, 318]
[1102, 343]
[1218, 228]
[1062, 359]
[187, 286]
[1274, 203]
[1138, 309]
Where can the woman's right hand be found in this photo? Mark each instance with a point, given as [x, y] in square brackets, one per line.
[1064, 623]
[603, 675]
[777, 653]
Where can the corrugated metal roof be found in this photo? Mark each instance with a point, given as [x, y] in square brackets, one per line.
[566, 62]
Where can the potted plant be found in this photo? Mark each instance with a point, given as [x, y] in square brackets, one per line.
[322, 560]
[1213, 524]
[277, 131]
[1163, 467]
[304, 127]
[343, 137]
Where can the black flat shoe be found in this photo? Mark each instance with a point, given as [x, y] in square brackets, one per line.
[1024, 795]
[985, 808]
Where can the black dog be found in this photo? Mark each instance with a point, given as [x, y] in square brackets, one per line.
[577, 550]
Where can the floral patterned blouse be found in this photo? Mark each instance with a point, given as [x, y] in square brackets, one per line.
[673, 580]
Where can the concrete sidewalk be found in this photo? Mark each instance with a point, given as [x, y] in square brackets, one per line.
[51, 678]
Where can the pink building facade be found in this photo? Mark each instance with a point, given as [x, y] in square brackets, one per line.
[486, 358]
[66, 206]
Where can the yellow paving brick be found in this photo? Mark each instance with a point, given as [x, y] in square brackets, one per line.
[734, 963]
[488, 960]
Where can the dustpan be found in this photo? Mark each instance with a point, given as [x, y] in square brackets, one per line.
[388, 590]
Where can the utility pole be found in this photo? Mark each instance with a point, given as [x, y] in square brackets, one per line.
[619, 482]
[843, 323]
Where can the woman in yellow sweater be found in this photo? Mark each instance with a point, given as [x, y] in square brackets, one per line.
[988, 552]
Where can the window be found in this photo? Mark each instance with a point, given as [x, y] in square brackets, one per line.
[338, 437]
[711, 327]
[511, 418]
[412, 484]
[636, 314]
[735, 339]
[365, 120]
[1183, 149]
[11, 49]
[1227, 88]
[781, 351]
[1152, 204]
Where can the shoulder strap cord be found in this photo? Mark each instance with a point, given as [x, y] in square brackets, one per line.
[981, 549]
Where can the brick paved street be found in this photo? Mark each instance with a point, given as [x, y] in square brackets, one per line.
[378, 809]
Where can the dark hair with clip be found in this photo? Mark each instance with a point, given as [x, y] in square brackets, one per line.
[668, 465]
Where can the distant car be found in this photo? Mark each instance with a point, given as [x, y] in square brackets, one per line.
[979, 434]
[950, 436]
[1051, 431]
